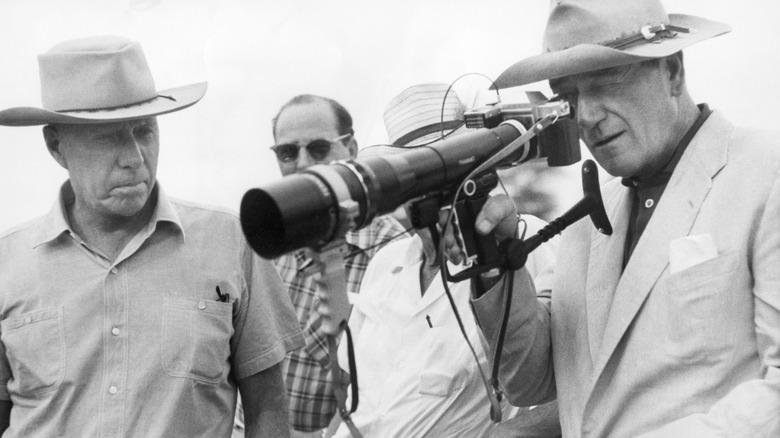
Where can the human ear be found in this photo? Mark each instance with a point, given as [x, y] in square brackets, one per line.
[352, 146]
[52, 138]
[676, 71]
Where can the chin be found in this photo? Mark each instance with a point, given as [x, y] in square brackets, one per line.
[608, 165]
[617, 167]
[128, 208]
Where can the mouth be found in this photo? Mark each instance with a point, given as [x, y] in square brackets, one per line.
[607, 140]
[129, 187]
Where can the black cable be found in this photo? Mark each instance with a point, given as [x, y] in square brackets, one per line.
[508, 286]
[357, 251]
[353, 378]
[492, 82]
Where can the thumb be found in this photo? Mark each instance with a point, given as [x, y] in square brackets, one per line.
[499, 215]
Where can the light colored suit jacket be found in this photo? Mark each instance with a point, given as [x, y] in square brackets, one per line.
[686, 340]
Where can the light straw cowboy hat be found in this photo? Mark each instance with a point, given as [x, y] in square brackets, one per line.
[421, 113]
[97, 80]
[588, 35]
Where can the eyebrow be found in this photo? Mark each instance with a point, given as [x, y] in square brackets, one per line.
[617, 73]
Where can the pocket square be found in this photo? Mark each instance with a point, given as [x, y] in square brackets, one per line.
[691, 250]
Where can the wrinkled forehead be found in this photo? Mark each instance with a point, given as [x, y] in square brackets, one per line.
[102, 128]
[612, 75]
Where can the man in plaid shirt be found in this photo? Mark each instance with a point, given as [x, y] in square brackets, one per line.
[312, 130]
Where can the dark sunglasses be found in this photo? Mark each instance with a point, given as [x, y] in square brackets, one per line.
[318, 149]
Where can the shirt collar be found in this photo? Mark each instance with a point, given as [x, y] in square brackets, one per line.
[55, 223]
[164, 211]
[665, 174]
[353, 238]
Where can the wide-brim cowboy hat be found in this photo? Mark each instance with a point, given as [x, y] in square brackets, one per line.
[586, 35]
[98, 80]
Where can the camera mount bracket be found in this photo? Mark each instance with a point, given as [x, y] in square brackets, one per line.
[513, 253]
[328, 262]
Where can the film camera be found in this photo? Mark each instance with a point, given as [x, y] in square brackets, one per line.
[559, 143]
[318, 205]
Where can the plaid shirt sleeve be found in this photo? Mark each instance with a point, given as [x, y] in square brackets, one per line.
[307, 380]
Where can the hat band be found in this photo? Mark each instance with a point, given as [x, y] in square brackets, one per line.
[94, 110]
[428, 129]
[647, 34]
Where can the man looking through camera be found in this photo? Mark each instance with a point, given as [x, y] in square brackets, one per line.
[671, 325]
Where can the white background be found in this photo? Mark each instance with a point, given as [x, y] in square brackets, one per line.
[256, 54]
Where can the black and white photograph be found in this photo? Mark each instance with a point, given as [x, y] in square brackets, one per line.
[429, 218]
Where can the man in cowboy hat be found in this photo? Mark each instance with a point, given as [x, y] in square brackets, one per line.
[417, 374]
[126, 312]
[670, 326]
[310, 130]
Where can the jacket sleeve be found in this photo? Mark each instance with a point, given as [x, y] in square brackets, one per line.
[526, 367]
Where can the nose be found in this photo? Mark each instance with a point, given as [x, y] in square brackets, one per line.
[590, 111]
[304, 160]
[130, 155]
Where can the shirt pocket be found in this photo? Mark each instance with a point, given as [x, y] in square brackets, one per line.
[35, 348]
[447, 362]
[196, 338]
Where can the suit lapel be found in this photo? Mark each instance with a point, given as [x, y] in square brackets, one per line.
[674, 217]
[604, 265]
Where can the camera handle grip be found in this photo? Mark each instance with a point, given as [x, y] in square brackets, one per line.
[481, 251]
[334, 308]
[334, 304]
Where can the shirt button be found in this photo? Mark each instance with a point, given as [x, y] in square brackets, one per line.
[401, 364]
[113, 270]
[115, 331]
[649, 203]
[113, 389]
[201, 305]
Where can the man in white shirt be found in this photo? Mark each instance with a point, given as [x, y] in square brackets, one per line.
[417, 375]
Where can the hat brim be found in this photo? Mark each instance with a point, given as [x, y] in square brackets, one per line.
[380, 150]
[167, 101]
[585, 58]
[435, 136]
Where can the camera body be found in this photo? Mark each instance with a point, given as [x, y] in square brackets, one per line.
[558, 143]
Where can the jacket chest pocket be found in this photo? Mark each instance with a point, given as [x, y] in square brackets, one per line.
[708, 307]
[196, 338]
[35, 347]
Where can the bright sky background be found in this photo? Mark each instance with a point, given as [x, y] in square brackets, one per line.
[256, 54]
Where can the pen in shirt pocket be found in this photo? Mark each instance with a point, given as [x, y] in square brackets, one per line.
[223, 298]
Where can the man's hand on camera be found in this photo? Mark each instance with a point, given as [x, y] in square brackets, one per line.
[498, 214]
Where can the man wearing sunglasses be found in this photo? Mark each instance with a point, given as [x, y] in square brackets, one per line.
[318, 151]
[311, 130]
